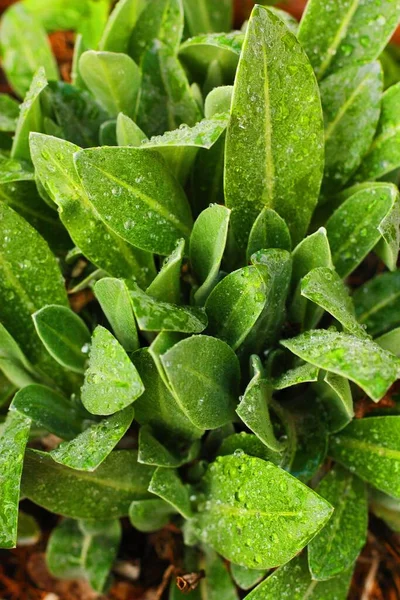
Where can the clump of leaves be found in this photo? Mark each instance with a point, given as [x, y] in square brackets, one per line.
[204, 196]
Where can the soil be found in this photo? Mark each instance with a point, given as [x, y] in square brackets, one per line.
[148, 563]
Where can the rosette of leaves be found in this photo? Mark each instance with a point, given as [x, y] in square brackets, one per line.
[198, 283]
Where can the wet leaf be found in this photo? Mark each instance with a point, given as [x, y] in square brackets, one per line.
[113, 79]
[357, 225]
[91, 447]
[158, 407]
[64, 335]
[370, 448]
[235, 304]
[152, 315]
[104, 494]
[217, 584]
[128, 133]
[383, 155]
[340, 34]
[167, 484]
[9, 113]
[30, 117]
[360, 360]
[166, 100]
[13, 439]
[237, 487]
[53, 160]
[153, 452]
[149, 198]
[111, 380]
[336, 547]
[325, 288]
[261, 146]
[294, 581]
[13, 362]
[390, 341]
[351, 100]
[204, 375]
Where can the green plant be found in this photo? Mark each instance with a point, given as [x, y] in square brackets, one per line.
[231, 368]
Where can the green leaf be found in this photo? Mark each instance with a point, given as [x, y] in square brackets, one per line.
[152, 315]
[153, 452]
[389, 245]
[14, 170]
[28, 281]
[207, 245]
[25, 48]
[371, 449]
[218, 583]
[324, 287]
[360, 360]
[30, 117]
[23, 197]
[383, 155]
[235, 304]
[116, 303]
[128, 133]
[53, 160]
[302, 374]
[9, 113]
[166, 285]
[167, 484]
[166, 100]
[205, 16]
[90, 448]
[28, 530]
[199, 52]
[13, 362]
[386, 508]
[239, 487]
[204, 375]
[275, 267]
[158, 407]
[351, 100]
[111, 380]
[163, 342]
[76, 113]
[337, 546]
[79, 48]
[49, 410]
[104, 494]
[294, 581]
[118, 31]
[64, 335]
[254, 411]
[390, 341]
[149, 199]
[13, 439]
[114, 80]
[108, 133]
[246, 578]
[312, 252]
[345, 33]
[150, 515]
[335, 392]
[376, 303]
[356, 226]
[218, 101]
[261, 146]
[249, 444]
[179, 147]
[269, 231]
[77, 549]
[159, 21]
